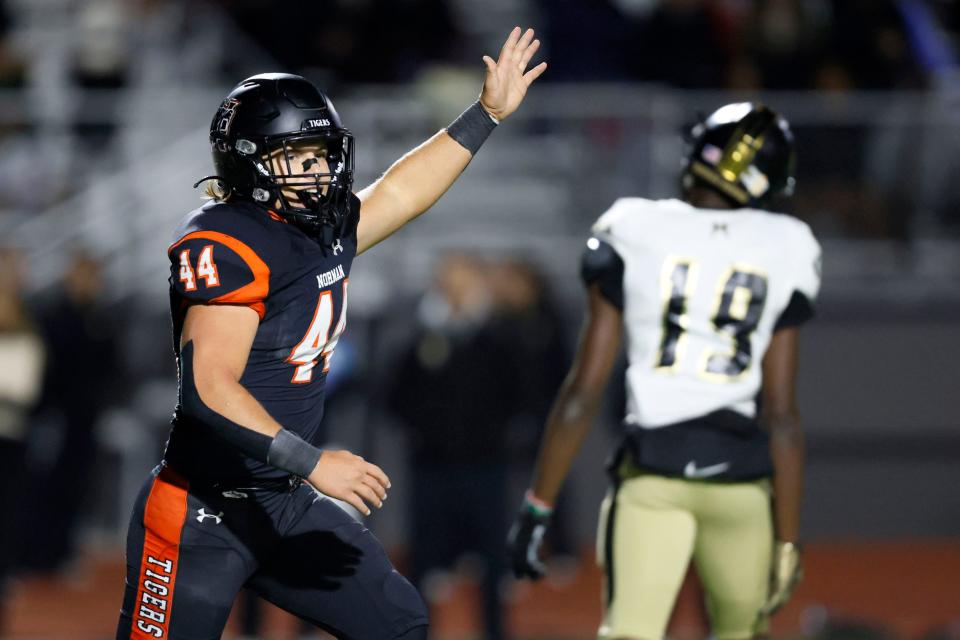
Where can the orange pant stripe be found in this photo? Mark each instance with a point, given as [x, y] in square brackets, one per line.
[163, 518]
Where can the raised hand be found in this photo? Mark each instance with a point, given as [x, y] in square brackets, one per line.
[348, 477]
[507, 78]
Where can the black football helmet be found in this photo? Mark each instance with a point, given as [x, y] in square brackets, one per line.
[744, 151]
[264, 124]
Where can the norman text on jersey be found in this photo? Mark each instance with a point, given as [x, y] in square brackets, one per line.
[327, 278]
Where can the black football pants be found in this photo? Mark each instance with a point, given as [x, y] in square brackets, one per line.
[189, 553]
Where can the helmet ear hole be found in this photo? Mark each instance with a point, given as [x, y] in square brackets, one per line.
[246, 147]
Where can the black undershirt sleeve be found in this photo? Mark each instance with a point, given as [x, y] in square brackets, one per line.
[251, 443]
[601, 263]
[798, 311]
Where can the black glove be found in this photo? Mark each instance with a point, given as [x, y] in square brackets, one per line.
[524, 540]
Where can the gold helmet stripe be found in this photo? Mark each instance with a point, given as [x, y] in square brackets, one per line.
[744, 144]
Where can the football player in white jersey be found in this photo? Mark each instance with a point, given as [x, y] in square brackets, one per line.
[709, 293]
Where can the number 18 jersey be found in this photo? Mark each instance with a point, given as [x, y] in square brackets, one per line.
[702, 292]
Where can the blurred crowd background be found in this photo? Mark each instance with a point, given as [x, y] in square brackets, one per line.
[462, 325]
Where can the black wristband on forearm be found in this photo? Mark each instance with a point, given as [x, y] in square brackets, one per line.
[290, 452]
[472, 127]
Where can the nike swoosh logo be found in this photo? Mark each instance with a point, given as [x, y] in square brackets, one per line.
[691, 470]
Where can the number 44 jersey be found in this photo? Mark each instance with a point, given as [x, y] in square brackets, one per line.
[241, 254]
[702, 292]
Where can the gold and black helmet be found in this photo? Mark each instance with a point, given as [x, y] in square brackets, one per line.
[744, 151]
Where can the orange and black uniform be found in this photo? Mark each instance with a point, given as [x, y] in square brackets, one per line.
[212, 519]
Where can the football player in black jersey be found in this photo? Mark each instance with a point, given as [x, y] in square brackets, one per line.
[707, 294]
[258, 296]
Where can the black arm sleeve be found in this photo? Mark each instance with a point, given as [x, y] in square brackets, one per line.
[602, 264]
[253, 444]
[798, 311]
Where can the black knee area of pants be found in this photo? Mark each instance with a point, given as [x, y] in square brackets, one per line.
[416, 633]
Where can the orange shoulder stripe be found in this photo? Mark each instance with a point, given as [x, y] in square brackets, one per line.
[251, 295]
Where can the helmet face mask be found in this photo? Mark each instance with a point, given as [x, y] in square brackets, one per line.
[744, 152]
[278, 142]
[305, 178]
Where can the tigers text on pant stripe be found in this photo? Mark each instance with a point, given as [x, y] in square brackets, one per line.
[163, 519]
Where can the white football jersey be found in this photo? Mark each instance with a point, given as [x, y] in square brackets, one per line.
[703, 290]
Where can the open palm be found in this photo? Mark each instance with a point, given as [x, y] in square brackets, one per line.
[507, 78]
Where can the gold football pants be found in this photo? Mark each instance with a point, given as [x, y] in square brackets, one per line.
[650, 528]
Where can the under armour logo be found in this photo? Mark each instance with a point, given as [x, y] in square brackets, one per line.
[720, 227]
[218, 517]
[337, 247]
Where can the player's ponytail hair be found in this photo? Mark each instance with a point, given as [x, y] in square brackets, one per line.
[214, 189]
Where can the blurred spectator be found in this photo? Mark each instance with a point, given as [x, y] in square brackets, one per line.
[584, 40]
[739, 44]
[353, 40]
[12, 69]
[948, 12]
[527, 320]
[101, 58]
[681, 44]
[831, 202]
[931, 44]
[81, 381]
[455, 391]
[868, 38]
[782, 38]
[22, 354]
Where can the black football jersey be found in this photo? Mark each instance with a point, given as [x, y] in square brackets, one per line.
[240, 254]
